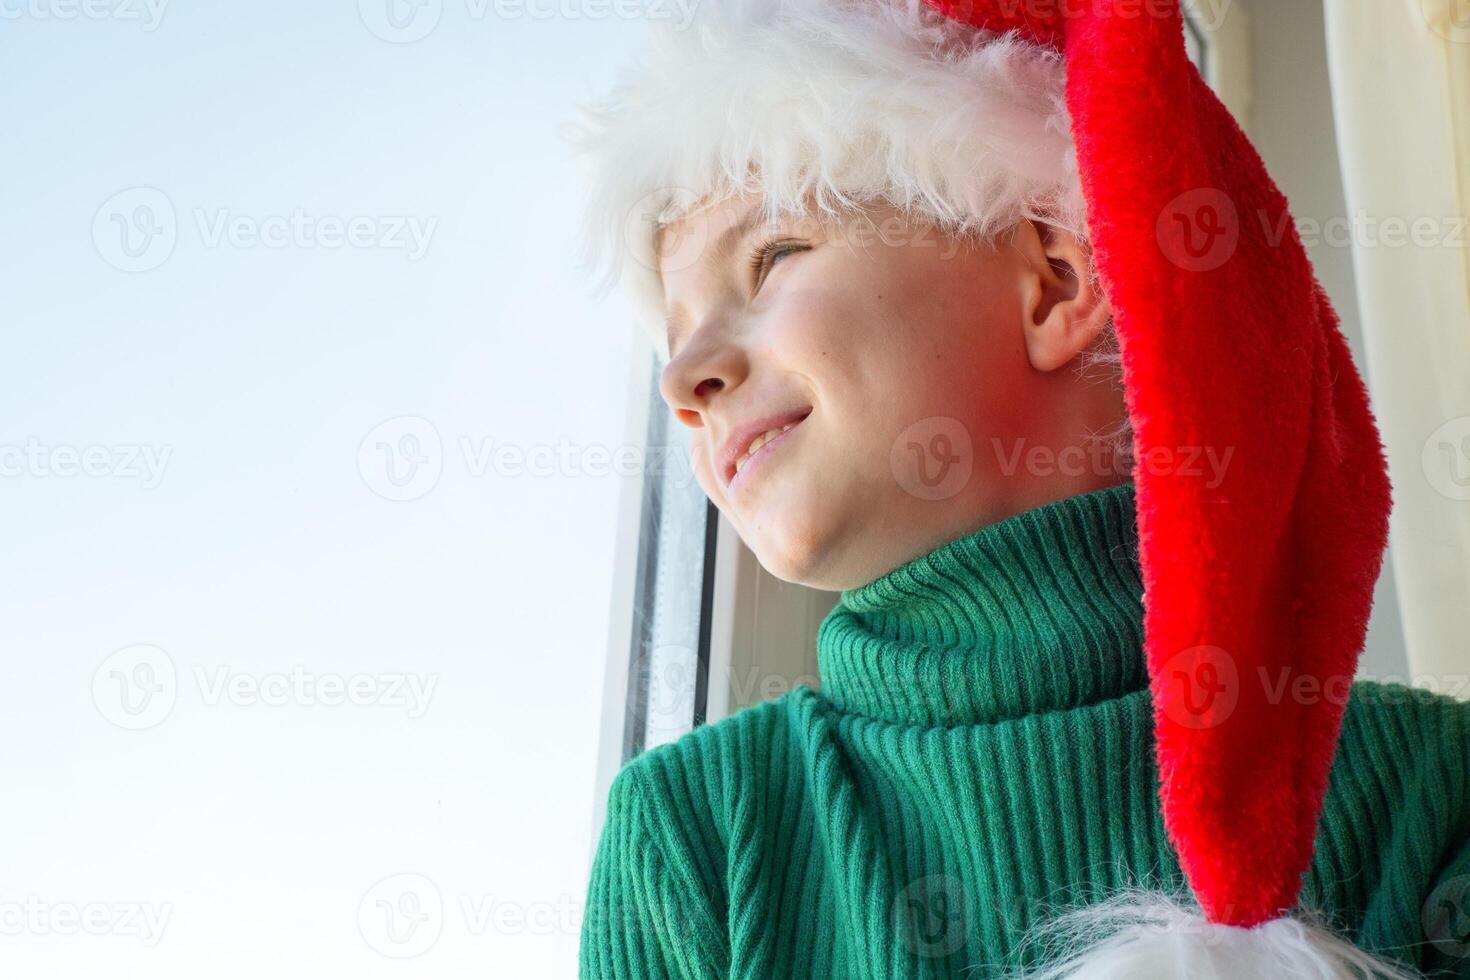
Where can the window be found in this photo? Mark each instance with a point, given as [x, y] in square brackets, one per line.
[668, 659]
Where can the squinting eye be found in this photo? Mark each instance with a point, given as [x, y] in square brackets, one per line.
[759, 263]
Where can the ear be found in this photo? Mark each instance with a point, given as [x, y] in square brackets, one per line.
[1063, 310]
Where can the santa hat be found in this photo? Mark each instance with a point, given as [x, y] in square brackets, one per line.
[1090, 115]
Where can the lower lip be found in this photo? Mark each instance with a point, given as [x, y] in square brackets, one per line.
[757, 458]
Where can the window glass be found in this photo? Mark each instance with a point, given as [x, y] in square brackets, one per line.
[669, 658]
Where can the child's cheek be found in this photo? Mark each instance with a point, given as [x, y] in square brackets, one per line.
[700, 461]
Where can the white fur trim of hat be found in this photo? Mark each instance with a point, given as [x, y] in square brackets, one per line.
[832, 103]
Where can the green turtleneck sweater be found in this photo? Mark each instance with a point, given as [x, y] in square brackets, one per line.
[978, 757]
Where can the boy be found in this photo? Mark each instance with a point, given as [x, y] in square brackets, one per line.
[882, 246]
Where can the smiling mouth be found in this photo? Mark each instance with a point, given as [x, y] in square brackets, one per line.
[755, 458]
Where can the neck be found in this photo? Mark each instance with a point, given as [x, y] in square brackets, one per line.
[1039, 612]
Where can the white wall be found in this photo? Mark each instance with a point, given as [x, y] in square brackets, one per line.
[1290, 122]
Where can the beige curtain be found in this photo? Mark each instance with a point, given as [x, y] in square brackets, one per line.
[1400, 74]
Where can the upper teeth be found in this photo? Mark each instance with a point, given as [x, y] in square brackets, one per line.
[758, 442]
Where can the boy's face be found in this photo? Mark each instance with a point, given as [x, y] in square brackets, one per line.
[922, 376]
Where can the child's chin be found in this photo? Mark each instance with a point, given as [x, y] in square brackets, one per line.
[788, 542]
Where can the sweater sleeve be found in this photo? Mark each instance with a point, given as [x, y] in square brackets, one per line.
[1446, 919]
[646, 916]
[1444, 915]
[1394, 854]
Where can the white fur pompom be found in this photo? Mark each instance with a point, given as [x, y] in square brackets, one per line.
[1147, 934]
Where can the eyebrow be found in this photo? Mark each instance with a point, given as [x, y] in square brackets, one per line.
[722, 250]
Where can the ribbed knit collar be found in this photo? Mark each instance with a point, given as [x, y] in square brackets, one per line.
[1041, 611]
